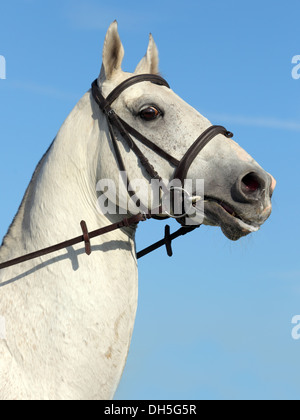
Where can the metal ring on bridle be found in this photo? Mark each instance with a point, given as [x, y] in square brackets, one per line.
[178, 202]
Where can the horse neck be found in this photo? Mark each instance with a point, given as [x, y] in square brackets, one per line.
[62, 191]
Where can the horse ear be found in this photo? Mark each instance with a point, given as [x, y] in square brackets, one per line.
[113, 52]
[149, 63]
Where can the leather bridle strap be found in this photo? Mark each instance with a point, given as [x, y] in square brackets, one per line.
[162, 153]
[153, 78]
[86, 237]
[125, 129]
[195, 149]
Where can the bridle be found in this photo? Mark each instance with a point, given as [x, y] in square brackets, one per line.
[127, 132]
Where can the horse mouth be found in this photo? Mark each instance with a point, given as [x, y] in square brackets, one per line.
[220, 213]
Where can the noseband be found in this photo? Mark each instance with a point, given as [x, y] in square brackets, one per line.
[115, 121]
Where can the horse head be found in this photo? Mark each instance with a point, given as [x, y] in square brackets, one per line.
[237, 191]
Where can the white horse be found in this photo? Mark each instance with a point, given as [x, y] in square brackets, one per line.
[68, 318]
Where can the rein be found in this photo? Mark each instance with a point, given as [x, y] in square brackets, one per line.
[126, 131]
[87, 236]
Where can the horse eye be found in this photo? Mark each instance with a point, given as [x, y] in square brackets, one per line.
[150, 113]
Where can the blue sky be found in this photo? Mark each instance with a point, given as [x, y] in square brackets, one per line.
[214, 322]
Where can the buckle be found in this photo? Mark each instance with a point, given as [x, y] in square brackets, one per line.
[110, 113]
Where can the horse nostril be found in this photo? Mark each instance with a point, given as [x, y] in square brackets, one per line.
[251, 183]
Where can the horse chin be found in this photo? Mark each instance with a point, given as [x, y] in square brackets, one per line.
[232, 226]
